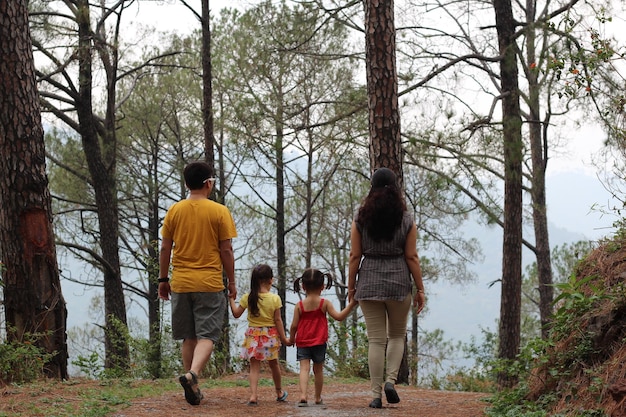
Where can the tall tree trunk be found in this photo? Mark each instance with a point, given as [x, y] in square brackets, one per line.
[539, 157]
[154, 304]
[382, 93]
[281, 254]
[207, 85]
[223, 345]
[382, 86]
[33, 300]
[100, 154]
[510, 304]
[308, 253]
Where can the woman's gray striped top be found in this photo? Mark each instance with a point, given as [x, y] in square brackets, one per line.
[384, 273]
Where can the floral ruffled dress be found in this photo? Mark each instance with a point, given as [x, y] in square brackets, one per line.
[262, 341]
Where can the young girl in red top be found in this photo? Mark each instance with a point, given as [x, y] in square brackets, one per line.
[309, 329]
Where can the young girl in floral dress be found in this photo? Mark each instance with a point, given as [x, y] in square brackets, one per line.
[265, 330]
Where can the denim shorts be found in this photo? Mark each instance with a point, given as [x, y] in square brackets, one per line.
[198, 315]
[315, 353]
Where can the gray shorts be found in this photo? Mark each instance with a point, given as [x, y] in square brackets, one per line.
[315, 353]
[198, 315]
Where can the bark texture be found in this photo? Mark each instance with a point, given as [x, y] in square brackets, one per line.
[539, 156]
[33, 299]
[510, 304]
[382, 86]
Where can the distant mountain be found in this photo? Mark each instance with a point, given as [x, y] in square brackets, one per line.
[462, 311]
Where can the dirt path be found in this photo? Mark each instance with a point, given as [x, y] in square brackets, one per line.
[341, 400]
[79, 397]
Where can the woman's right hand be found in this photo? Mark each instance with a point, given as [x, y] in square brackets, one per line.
[419, 300]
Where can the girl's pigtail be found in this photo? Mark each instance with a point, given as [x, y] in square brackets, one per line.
[329, 280]
[296, 285]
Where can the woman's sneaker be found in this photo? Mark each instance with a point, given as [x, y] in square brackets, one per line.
[376, 403]
[391, 394]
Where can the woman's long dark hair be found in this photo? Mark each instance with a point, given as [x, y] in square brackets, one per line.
[260, 274]
[382, 209]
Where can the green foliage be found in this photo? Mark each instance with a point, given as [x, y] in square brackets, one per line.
[90, 366]
[23, 360]
[480, 377]
[142, 356]
[346, 362]
[118, 336]
[564, 259]
[573, 301]
[513, 403]
[460, 379]
[582, 59]
[561, 363]
[155, 358]
[435, 352]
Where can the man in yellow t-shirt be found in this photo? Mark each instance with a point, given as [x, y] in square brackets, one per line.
[196, 238]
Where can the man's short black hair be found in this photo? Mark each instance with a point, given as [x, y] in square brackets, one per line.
[196, 173]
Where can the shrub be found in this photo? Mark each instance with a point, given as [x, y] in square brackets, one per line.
[22, 360]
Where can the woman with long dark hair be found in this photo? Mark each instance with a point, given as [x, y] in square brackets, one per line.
[384, 266]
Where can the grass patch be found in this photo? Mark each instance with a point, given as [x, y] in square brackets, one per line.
[77, 397]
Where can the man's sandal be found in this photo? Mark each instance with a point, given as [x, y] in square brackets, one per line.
[192, 396]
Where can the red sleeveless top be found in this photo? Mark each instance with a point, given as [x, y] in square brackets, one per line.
[312, 327]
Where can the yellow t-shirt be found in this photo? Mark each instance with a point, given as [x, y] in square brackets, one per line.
[196, 227]
[268, 303]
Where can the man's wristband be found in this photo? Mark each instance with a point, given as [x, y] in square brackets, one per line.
[166, 279]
